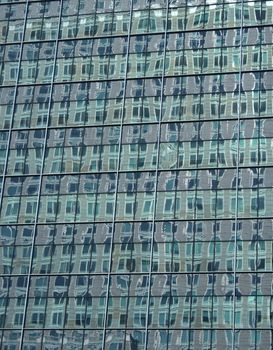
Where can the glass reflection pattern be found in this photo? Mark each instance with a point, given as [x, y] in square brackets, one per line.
[136, 168]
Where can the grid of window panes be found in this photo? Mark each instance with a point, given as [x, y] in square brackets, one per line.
[136, 169]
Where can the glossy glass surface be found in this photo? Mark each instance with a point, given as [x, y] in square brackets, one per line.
[136, 174]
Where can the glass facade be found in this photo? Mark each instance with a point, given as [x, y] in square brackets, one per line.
[136, 174]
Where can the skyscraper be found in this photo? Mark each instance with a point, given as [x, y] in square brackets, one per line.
[136, 168]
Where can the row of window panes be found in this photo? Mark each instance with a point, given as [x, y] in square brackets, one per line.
[142, 22]
[133, 183]
[137, 157]
[197, 86]
[76, 6]
[72, 7]
[138, 44]
[139, 66]
[105, 50]
[216, 131]
[193, 338]
[170, 205]
[50, 8]
[179, 284]
[62, 312]
[178, 257]
[136, 232]
[186, 108]
[218, 85]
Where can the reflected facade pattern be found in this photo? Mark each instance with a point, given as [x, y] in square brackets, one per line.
[136, 174]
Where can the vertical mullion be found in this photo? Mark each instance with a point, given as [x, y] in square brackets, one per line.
[128, 290]
[195, 216]
[117, 177]
[258, 120]
[40, 179]
[233, 345]
[217, 190]
[171, 272]
[81, 175]
[156, 178]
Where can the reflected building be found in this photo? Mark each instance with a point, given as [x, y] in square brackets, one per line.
[136, 171]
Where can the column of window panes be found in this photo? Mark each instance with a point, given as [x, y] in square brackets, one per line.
[29, 315]
[151, 314]
[9, 204]
[110, 302]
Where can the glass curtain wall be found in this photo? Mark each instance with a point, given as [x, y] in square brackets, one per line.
[136, 168]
